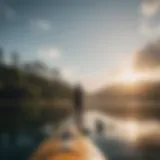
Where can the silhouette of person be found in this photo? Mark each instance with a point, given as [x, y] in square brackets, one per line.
[78, 105]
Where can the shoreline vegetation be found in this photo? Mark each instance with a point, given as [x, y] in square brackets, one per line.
[29, 98]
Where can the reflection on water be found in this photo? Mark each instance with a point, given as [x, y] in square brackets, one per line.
[121, 138]
[116, 127]
[117, 141]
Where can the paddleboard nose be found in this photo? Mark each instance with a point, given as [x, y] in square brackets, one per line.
[66, 141]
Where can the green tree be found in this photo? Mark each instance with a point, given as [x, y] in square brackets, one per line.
[39, 66]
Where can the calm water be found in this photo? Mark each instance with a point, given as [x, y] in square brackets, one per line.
[117, 141]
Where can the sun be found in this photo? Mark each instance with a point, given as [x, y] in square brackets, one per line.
[129, 76]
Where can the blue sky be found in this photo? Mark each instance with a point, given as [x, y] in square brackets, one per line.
[87, 39]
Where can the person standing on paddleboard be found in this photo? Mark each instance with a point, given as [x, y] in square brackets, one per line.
[78, 100]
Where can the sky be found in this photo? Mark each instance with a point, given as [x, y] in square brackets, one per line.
[89, 40]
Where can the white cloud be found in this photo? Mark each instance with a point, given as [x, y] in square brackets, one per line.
[145, 29]
[49, 54]
[148, 31]
[150, 7]
[40, 24]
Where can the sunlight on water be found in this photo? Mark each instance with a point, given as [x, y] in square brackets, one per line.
[132, 130]
[128, 130]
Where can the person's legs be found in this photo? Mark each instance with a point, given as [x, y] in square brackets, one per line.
[79, 118]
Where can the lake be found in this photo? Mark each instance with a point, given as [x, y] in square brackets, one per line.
[118, 140]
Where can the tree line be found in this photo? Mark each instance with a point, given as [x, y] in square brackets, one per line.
[28, 97]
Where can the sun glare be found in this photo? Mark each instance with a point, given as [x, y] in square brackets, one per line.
[132, 129]
[129, 76]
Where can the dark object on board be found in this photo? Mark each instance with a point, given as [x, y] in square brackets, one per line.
[99, 127]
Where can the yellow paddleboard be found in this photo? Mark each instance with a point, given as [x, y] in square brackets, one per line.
[68, 145]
